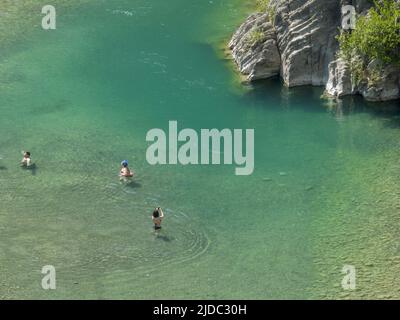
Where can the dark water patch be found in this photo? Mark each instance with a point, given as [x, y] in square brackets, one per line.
[263, 94]
[133, 184]
[12, 78]
[310, 99]
[163, 237]
[393, 122]
[50, 107]
[357, 104]
[32, 169]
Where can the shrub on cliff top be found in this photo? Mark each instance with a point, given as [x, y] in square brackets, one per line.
[262, 5]
[376, 36]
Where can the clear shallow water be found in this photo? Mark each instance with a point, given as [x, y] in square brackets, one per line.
[82, 98]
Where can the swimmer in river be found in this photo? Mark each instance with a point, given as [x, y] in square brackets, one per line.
[125, 171]
[26, 160]
[157, 218]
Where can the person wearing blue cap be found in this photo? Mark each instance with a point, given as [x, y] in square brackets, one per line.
[125, 171]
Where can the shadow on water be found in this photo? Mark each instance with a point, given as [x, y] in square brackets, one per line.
[310, 99]
[163, 237]
[393, 123]
[133, 184]
[3, 168]
[59, 106]
[32, 168]
[274, 95]
[389, 111]
[14, 77]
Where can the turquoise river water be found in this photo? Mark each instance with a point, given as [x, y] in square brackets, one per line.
[324, 192]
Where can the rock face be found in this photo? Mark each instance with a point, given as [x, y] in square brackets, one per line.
[300, 45]
[306, 31]
[255, 49]
[383, 86]
[339, 82]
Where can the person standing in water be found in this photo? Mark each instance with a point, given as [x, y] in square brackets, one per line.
[26, 160]
[157, 218]
[125, 172]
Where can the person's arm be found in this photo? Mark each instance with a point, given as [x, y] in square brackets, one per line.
[161, 213]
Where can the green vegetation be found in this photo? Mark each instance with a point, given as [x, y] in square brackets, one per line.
[255, 36]
[262, 5]
[376, 37]
[265, 6]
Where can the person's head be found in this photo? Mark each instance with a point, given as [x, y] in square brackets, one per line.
[27, 153]
[156, 213]
[124, 163]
